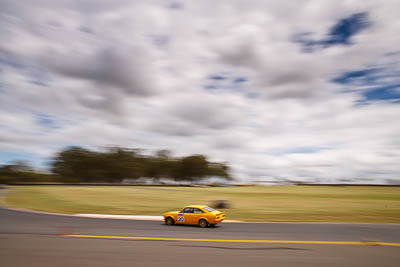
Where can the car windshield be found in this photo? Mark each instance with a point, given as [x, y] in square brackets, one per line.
[209, 209]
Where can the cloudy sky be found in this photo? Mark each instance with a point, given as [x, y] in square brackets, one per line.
[305, 90]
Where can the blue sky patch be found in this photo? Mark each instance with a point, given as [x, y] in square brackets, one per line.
[345, 28]
[391, 92]
[217, 77]
[240, 80]
[303, 150]
[46, 120]
[379, 82]
[365, 75]
[210, 87]
[339, 34]
[11, 157]
[225, 82]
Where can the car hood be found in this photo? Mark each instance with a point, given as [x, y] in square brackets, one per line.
[172, 212]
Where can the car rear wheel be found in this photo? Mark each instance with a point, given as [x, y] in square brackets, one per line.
[169, 221]
[203, 223]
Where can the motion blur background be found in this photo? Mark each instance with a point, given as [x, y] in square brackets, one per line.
[113, 112]
[268, 90]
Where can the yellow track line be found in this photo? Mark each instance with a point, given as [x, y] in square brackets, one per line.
[241, 241]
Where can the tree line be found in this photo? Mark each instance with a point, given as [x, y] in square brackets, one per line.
[114, 165]
[20, 171]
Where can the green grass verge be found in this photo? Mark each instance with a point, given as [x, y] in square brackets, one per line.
[249, 203]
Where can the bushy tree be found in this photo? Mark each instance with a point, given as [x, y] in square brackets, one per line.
[191, 168]
[75, 164]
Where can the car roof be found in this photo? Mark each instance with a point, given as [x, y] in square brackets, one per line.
[196, 206]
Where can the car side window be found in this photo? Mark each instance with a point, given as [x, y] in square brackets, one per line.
[198, 211]
[187, 210]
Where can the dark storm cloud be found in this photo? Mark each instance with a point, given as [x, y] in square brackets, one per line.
[112, 66]
[86, 29]
[54, 45]
[205, 112]
[176, 5]
[240, 54]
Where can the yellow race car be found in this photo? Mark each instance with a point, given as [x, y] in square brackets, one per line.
[194, 214]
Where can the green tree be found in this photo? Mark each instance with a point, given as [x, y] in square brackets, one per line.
[191, 168]
[76, 164]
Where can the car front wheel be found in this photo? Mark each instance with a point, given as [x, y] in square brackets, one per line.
[169, 221]
[203, 223]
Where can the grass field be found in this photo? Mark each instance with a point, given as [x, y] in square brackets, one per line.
[249, 203]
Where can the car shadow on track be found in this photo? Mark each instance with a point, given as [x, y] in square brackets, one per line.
[191, 225]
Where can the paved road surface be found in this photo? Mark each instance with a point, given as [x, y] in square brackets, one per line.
[30, 239]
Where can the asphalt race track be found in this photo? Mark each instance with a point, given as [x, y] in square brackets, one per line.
[32, 239]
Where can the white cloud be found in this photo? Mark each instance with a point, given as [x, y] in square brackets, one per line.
[135, 74]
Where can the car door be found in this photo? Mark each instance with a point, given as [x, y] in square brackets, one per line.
[185, 216]
[197, 215]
